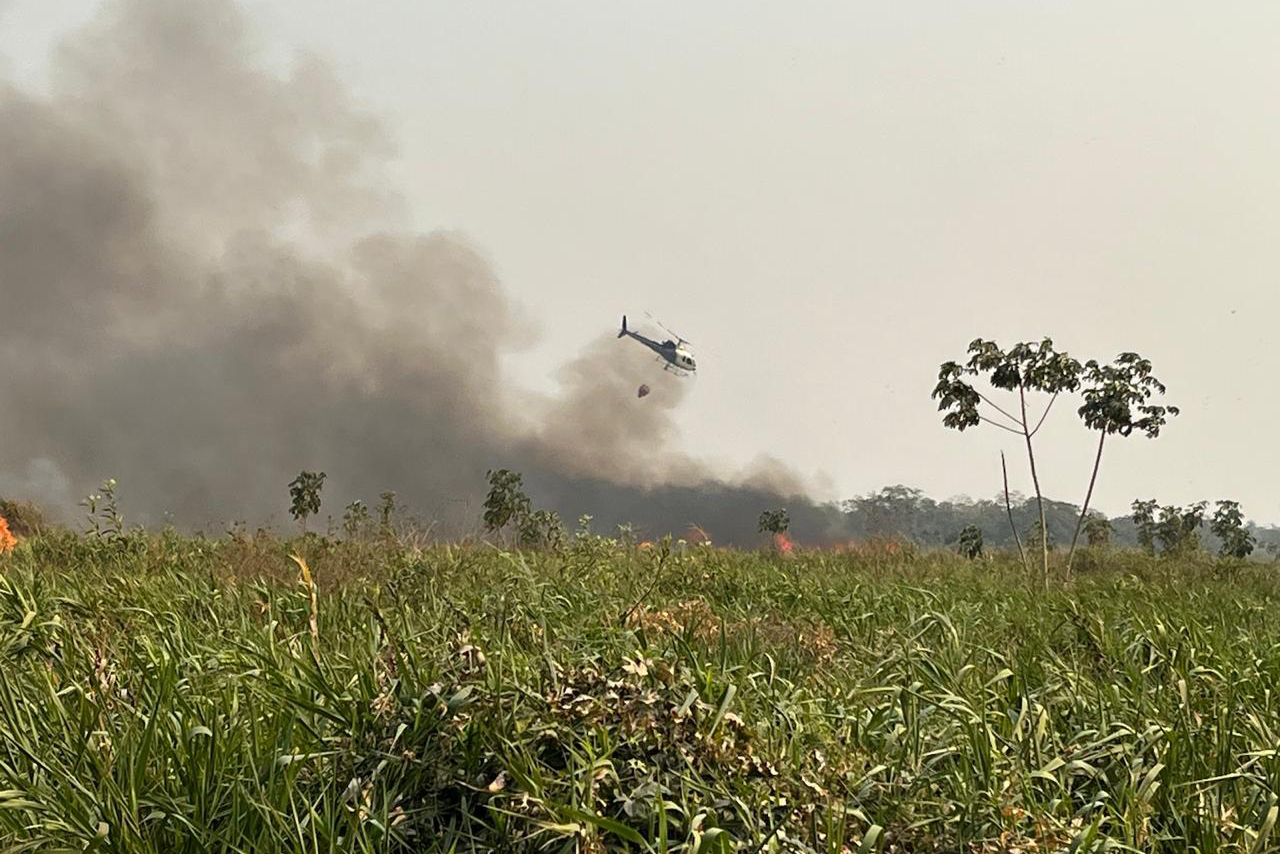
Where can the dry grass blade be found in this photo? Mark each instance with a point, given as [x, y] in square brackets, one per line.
[314, 623]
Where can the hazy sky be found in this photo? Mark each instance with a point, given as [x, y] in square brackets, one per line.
[829, 199]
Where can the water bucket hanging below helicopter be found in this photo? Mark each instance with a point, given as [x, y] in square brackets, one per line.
[642, 391]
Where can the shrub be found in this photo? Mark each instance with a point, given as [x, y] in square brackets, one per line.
[24, 518]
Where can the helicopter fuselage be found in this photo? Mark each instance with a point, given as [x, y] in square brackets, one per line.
[675, 355]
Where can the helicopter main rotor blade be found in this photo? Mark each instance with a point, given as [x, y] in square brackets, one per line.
[667, 329]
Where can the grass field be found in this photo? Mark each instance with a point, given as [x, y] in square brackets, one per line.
[169, 694]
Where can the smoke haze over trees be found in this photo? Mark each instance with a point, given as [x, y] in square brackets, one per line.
[208, 288]
[906, 512]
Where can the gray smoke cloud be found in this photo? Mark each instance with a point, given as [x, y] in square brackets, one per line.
[206, 286]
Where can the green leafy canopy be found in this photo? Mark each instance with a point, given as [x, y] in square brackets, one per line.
[1027, 366]
[1116, 397]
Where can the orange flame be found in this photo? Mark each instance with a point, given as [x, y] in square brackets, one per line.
[783, 544]
[7, 539]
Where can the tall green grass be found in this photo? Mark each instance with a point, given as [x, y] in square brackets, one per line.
[167, 694]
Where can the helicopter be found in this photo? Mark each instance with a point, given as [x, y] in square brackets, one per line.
[674, 354]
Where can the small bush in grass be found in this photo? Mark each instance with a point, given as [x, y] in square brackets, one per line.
[24, 518]
[970, 545]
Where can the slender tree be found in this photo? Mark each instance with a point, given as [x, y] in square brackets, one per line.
[355, 518]
[970, 544]
[540, 529]
[1023, 369]
[1117, 401]
[304, 495]
[506, 502]
[1178, 528]
[1228, 526]
[774, 521]
[1098, 531]
[1039, 538]
[1008, 509]
[1144, 519]
[387, 511]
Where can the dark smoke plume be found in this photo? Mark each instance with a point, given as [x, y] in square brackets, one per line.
[205, 287]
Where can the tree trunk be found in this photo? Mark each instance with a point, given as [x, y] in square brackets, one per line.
[1004, 469]
[1097, 461]
[1035, 480]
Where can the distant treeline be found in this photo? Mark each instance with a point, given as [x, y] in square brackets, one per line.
[728, 514]
[902, 511]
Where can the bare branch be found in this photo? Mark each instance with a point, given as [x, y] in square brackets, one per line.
[1035, 480]
[1046, 413]
[1004, 469]
[1084, 509]
[1001, 426]
[997, 408]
